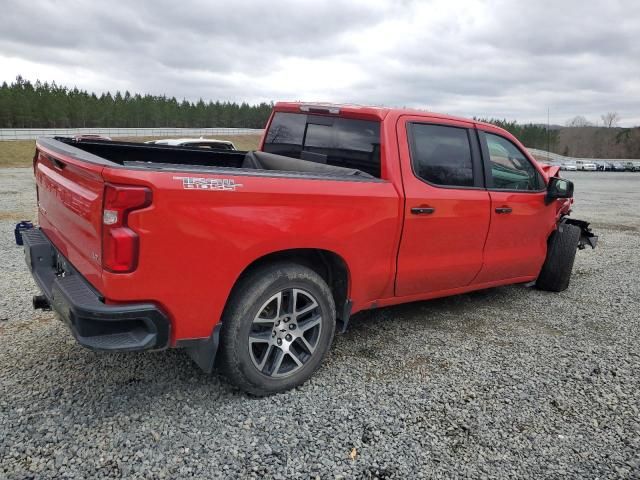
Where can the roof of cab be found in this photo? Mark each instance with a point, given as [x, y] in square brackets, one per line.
[364, 110]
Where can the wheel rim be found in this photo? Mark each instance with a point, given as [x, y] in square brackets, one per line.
[285, 333]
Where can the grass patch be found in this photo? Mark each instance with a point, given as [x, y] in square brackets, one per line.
[19, 153]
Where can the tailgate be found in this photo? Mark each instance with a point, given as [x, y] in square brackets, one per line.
[69, 192]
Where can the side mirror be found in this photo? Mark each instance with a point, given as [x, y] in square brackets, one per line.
[558, 188]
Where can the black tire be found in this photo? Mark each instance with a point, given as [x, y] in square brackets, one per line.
[254, 296]
[561, 252]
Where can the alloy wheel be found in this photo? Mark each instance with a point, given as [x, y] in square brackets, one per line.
[285, 333]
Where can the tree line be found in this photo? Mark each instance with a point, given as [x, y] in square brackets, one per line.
[24, 104]
[580, 138]
[531, 135]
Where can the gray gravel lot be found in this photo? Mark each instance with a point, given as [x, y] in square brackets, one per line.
[509, 382]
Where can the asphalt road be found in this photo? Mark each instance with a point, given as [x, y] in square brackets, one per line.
[502, 383]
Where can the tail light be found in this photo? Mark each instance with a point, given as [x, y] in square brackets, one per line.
[120, 244]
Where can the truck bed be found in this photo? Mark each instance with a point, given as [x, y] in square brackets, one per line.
[123, 153]
[179, 158]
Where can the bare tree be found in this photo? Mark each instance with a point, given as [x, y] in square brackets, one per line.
[579, 121]
[610, 119]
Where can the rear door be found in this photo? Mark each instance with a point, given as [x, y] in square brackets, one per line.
[446, 213]
[520, 221]
[70, 192]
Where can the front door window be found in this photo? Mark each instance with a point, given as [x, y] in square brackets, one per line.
[510, 169]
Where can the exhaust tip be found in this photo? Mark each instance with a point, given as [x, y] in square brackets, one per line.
[40, 302]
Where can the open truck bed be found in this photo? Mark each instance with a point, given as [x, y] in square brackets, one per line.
[137, 154]
[145, 156]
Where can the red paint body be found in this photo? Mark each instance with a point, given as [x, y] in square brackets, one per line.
[194, 244]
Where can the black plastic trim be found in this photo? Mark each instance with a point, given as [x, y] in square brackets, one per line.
[587, 237]
[203, 350]
[95, 325]
[64, 149]
[343, 319]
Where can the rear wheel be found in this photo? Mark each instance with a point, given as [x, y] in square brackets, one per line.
[277, 328]
[561, 253]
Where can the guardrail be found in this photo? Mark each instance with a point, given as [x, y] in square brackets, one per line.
[33, 133]
[554, 157]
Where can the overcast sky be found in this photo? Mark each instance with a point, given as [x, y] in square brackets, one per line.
[509, 59]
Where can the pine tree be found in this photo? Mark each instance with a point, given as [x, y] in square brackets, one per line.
[47, 105]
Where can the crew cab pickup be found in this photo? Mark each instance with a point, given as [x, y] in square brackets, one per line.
[252, 260]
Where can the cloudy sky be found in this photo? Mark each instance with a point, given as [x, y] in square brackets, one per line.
[500, 58]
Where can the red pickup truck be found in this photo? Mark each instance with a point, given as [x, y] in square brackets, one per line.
[252, 260]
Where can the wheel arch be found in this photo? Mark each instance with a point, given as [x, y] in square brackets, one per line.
[329, 265]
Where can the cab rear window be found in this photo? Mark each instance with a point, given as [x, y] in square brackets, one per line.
[337, 141]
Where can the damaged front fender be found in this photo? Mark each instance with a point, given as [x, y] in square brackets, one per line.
[587, 237]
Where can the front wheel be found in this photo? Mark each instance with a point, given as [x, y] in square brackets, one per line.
[277, 328]
[561, 253]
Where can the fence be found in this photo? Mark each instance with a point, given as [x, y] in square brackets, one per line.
[554, 157]
[33, 133]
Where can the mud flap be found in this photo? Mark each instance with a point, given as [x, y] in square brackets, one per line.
[342, 322]
[203, 351]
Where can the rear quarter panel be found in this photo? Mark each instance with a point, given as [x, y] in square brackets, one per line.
[194, 243]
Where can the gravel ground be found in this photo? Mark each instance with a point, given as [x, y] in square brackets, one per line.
[509, 382]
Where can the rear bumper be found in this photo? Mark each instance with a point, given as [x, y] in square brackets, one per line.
[94, 324]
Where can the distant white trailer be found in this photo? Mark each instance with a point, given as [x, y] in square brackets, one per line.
[211, 143]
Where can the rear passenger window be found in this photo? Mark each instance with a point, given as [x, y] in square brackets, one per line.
[342, 142]
[441, 155]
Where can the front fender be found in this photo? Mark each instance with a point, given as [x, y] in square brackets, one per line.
[587, 237]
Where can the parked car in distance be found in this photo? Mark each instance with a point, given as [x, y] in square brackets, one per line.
[570, 167]
[207, 143]
[586, 166]
[602, 166]
[253, 260]
[618, 166]
[631, 167]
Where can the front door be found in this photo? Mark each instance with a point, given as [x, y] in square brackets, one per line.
[446, 217]
[521, 222]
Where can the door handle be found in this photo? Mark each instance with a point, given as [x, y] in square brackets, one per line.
[422, 210]
[503, 210]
